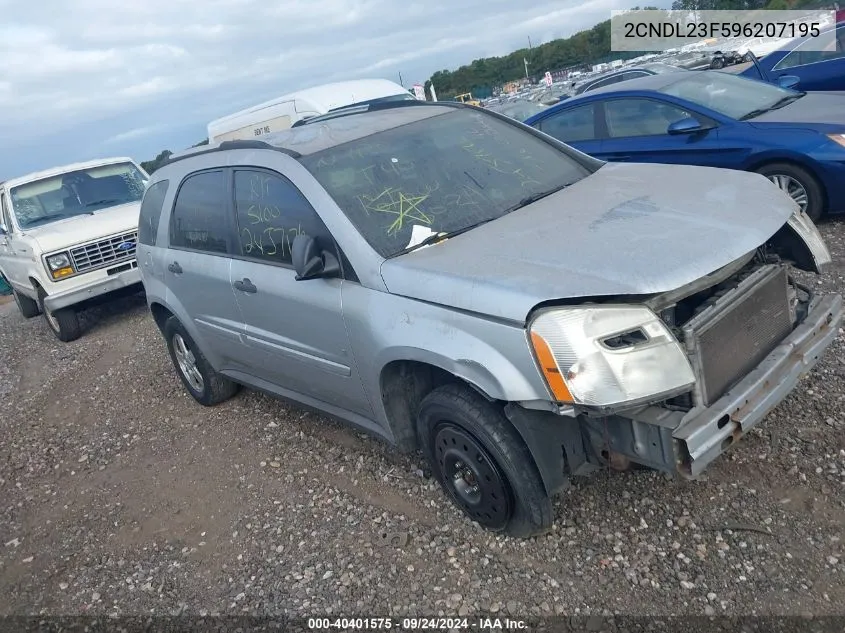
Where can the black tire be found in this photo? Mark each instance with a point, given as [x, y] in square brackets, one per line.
[29, 307]
[454, 420]
[815, 195]
[717, 63]
[64, 323]
[213, 388]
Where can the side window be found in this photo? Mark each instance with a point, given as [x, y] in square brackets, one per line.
[199, 220]
[801, 57]
[271, 212]
[5, 219]
[578, 124]
[151, 212]
[640, 117]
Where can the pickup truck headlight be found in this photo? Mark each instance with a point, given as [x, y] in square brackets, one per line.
[59, 265]
[608, 355]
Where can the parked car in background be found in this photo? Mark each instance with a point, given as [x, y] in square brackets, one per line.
[519, 110]
[285, 111]
[453, 281]
[798, 67]
[714, 119]
[67, 238]
[624, 74]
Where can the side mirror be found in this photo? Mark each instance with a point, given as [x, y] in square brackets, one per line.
[310, 262]
[684, 126]
[788, 81]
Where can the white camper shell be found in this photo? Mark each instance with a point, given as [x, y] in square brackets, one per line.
[282, 112]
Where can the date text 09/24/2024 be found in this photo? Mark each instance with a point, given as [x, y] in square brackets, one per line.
[417, 624]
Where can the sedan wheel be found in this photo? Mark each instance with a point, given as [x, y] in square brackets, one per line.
[793, 188]
[799, 184]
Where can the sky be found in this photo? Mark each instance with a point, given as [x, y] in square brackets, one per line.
[84, 79]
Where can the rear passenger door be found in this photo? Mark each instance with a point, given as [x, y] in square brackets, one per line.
[196, 267]
[295, 330]
[575, 126]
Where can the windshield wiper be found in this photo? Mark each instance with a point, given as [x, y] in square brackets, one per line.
[784, 101]
[103, 201]
[534, 197]
[443, 235]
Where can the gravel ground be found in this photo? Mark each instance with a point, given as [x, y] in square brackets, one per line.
[120, 495]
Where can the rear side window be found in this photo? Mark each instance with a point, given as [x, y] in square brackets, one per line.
[151, 212]
[578, 124]
[199, 220]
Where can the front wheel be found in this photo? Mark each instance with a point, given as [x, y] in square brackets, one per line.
[200, 379]
[482, 463]
[799, 185]
[64, 323]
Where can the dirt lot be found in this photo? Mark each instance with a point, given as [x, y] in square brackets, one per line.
[120, 495]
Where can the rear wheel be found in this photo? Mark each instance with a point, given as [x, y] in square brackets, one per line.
[29, 307]
[64, 323]
[482, 463]
[798, 184]
[200, 379]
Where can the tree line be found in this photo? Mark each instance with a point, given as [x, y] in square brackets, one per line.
[581, 49]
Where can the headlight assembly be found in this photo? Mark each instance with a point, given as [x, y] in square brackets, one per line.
[59, 265]
[608, 355]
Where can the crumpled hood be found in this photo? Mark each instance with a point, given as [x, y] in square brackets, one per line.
[86, 228]
[629, 229]
[814, 108]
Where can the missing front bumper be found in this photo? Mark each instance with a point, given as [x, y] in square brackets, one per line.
[704, 434]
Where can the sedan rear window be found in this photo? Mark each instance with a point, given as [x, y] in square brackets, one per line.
[442, 173]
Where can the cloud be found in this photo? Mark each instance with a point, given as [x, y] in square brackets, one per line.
[167, 67]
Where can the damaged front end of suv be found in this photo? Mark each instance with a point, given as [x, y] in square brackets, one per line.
[671, 381]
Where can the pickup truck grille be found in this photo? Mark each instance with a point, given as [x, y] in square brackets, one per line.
[730, 338]
[105, 252]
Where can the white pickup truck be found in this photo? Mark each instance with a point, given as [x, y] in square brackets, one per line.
[67, 238]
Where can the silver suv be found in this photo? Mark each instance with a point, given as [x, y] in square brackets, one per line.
[451, 280]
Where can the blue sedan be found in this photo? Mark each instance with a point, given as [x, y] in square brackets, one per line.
[795, 66]
[714, 119]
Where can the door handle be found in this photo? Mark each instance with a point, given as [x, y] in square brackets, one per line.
[245, 285]
[175, 268]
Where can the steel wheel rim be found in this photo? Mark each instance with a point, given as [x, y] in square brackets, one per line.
[54, 323]
[793, 188]
[187, 363]
[471, 477]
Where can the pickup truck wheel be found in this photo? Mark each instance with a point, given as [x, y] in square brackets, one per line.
[482, 463]
[29, 307]
[64, 322]
[203, 383]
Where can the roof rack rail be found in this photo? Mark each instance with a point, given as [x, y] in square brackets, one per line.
[227, 145]
[375, 107]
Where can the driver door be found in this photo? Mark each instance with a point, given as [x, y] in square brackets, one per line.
[13, 253]
[295, 329]
[637, 132]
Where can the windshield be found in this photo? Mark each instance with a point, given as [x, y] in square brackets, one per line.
[76, 193]
[441, 174]
[728, 94]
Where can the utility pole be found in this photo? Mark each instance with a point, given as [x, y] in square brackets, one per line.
[400, 79]
[525, 60]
